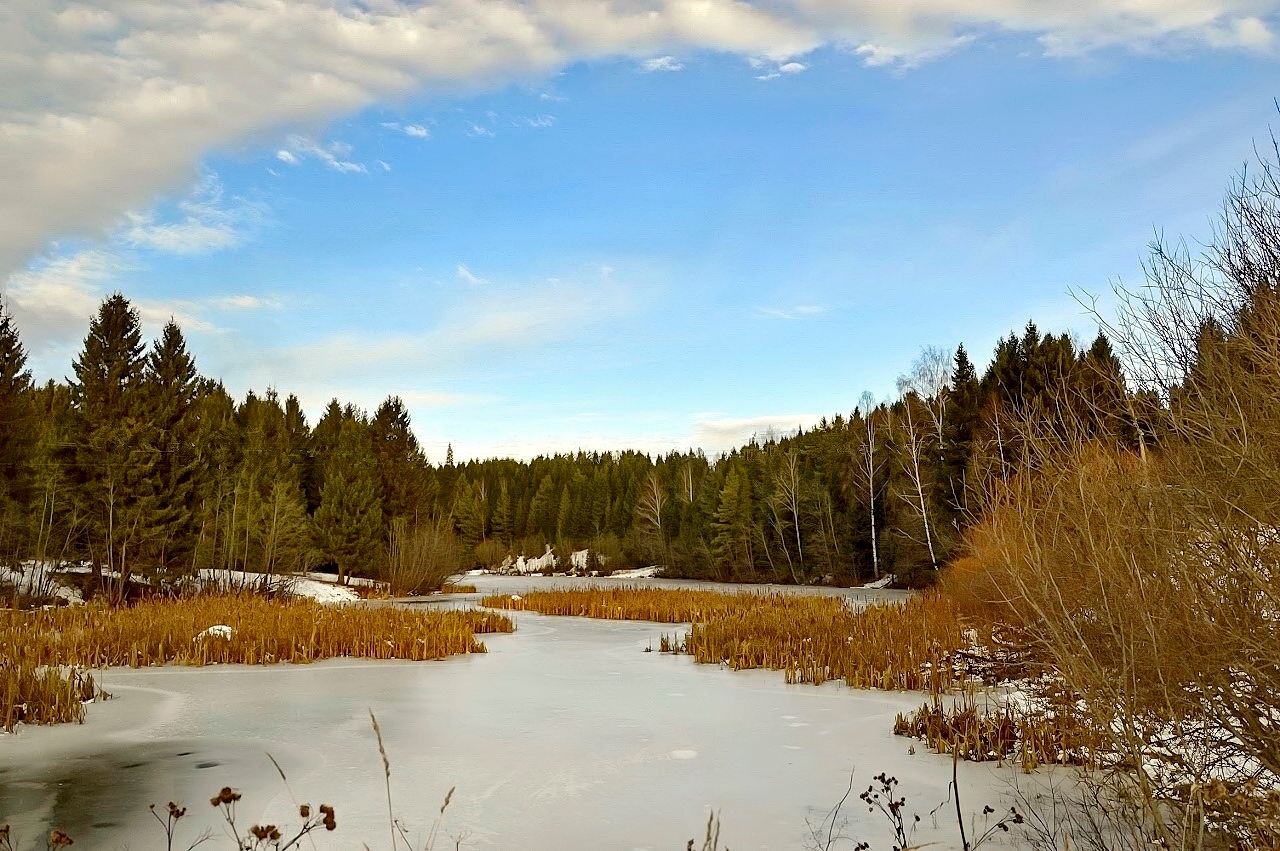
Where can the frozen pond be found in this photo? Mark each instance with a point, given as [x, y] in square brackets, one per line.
[565, 735]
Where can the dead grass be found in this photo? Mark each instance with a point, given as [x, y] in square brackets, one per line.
[812, 639]
[458, 589]
[36, 645]
[1001, 733]
[42, 694]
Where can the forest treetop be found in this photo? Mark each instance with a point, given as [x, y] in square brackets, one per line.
[139, 464]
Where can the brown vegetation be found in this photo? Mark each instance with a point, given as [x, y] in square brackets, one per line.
[1145, 571]
[35, 643]
[1000, 732]
[811, 638]
[42, 694]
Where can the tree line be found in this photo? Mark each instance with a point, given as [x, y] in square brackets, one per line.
[141, 467]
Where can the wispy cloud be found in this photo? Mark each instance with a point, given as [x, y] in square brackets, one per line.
[414, 131]
[661, 63]
[474, 129]
[723, 433]
[471, 278]
[55, 296]
[489, 319]
[536, 122]
[207, 222]
[781, 70]
[792, 312]
[334, 155]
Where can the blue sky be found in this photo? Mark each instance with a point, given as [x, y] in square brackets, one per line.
[635, 241]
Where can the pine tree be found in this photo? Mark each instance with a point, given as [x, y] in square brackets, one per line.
[400, 461]
[219, 445]
[734, 533]
[503, 521]
[962, 423]
[324, 441]
[114, 454]
[17, 435]
[170, 384]
[542, 510]
[350, 520]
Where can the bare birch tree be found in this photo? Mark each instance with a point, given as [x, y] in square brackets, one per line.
[870, 467]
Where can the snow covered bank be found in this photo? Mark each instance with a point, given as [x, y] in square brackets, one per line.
[324, 590]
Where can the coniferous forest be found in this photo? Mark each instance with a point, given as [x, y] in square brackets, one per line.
[140, 466]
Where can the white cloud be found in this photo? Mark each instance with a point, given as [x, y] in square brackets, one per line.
[334, 155]
[55, 296]
[466, 274]
[780, 70]
[243, 302]
[474, 129]
[286, 157]
[489, 323]
[415, 131]
[718, 434]
[104, 106]
[661, 63]
[207, 223]
[792, 312]
[537, 122]
[53, 299]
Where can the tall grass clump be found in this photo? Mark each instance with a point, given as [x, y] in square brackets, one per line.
[811, 638]
[1001, 732]
[42, 694]
[37, 646]
[156, 632]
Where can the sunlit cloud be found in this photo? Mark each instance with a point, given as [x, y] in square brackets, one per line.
[722, 433]
[661, 63]
[334, 155]
[54, 297]
[103, 108]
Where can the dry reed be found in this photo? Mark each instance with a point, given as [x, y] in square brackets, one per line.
[42, 694]
[812, 639]
[1000, 733]
[157, 632]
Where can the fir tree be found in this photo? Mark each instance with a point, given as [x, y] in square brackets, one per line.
[350, 520]
[17, 436]
[114, 453]
[170, 384]
[399, 458]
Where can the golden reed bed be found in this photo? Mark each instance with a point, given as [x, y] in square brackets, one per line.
[810, 638]
[37, 647]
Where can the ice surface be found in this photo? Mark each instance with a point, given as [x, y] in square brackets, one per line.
[565, 735]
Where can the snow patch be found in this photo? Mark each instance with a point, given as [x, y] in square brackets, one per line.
[883, 582]
[40, 578]
[637, 573]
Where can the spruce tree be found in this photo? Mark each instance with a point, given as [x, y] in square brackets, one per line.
[170, 385]
[17, 436]
[350, 520]
[400, 461]
[962, 423]
[114, 456]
